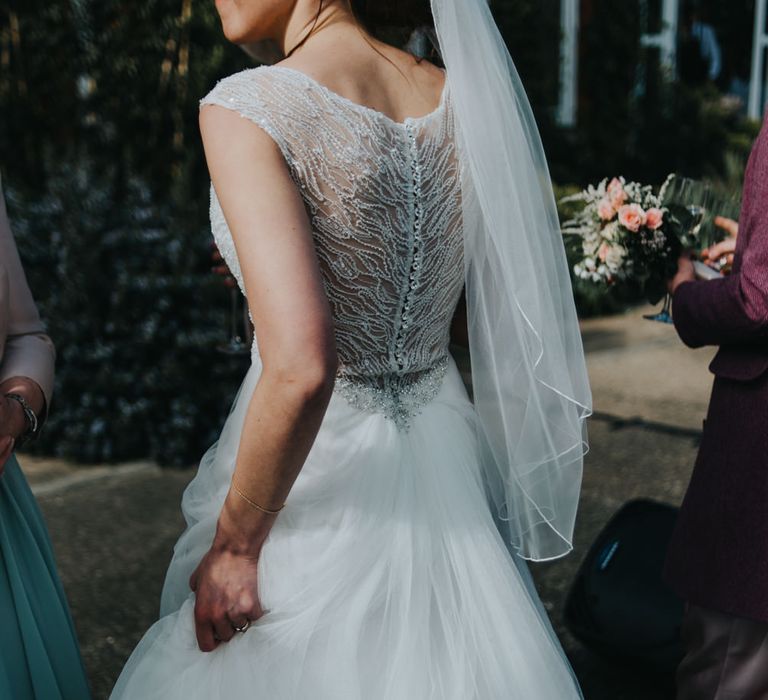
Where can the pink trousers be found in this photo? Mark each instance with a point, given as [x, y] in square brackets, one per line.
[726, 657]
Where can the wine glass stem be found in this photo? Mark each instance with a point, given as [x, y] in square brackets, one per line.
[247, 328]
[233, 315]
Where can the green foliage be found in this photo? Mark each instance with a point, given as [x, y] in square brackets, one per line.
[531, 29]
[38, 96]
[148, 70]
[692, 134]
[121, 83]
[108, 197]
[135, 317]
[637, 122]
[608, 76]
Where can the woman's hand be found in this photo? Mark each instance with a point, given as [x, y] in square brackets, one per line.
[227, 597]
[720, 255]
[13, 423]
[685, 273]
[226, 581]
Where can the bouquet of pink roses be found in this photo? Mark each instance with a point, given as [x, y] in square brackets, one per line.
[627, 233]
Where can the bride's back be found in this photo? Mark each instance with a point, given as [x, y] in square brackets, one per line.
[376, 165]
[372, 73]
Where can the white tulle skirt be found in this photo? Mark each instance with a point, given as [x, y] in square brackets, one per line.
[384, 578]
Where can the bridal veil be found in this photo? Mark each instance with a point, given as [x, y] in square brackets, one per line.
[530, 382]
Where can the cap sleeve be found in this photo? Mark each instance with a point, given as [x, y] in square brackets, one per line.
[27, 351]
[248, 93]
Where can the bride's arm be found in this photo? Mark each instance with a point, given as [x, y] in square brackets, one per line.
[291, 315]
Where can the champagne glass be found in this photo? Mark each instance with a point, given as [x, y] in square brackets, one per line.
[695, 198]
[665, 315]
[236, 345]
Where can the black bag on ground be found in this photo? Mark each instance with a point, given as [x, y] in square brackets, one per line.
[619, 605]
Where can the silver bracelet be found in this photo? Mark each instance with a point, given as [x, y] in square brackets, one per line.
[33, 424]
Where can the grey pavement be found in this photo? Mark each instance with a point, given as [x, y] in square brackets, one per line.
[113, 528]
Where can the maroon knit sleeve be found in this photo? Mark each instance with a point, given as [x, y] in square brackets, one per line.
[734, 310]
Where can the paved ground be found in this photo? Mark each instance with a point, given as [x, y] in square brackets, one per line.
[113, 529]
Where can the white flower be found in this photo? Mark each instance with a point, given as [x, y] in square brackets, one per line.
[614, 258]
[611, 232]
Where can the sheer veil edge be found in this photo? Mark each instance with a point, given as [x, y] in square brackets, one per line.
[529, 373]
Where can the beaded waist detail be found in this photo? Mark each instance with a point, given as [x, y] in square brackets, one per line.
[398, 396]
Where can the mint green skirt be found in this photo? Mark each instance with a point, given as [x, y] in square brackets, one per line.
[39, 654]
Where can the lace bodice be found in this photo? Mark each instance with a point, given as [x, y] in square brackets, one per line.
[384, 201]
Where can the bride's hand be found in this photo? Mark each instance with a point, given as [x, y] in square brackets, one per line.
[226, 581]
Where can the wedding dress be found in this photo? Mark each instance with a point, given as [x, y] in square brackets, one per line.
[385, 577]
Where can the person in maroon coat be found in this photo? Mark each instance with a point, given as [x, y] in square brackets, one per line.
[718, 557]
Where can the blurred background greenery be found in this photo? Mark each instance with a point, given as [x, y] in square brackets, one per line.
[108, 193]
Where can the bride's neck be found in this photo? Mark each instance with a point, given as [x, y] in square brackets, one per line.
[305, 25]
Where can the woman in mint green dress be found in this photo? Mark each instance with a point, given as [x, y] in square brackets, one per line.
[39, 654]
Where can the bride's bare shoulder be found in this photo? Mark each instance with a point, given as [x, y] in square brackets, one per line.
[363, 60]
[379, 76]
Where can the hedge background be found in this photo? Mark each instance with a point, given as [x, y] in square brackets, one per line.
[108, 193]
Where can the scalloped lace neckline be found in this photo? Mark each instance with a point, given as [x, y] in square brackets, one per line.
[364, 108]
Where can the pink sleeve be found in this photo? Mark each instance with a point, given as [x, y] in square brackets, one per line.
[26, 350]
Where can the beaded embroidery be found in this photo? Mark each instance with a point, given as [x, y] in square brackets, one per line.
[384, 198]
[399, 397]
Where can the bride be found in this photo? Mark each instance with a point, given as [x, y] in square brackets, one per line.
[358, 530]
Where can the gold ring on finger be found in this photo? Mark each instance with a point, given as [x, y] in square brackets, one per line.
[242, 628]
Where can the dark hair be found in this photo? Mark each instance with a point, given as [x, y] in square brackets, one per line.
[393, 22]
[385, 20]
[379, 17]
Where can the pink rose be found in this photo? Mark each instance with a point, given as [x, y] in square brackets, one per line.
[603, 251]
[605, 209]
[654, 218]
[616, 193]
[632, 217]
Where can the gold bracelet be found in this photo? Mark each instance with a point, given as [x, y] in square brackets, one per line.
[255, 505]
